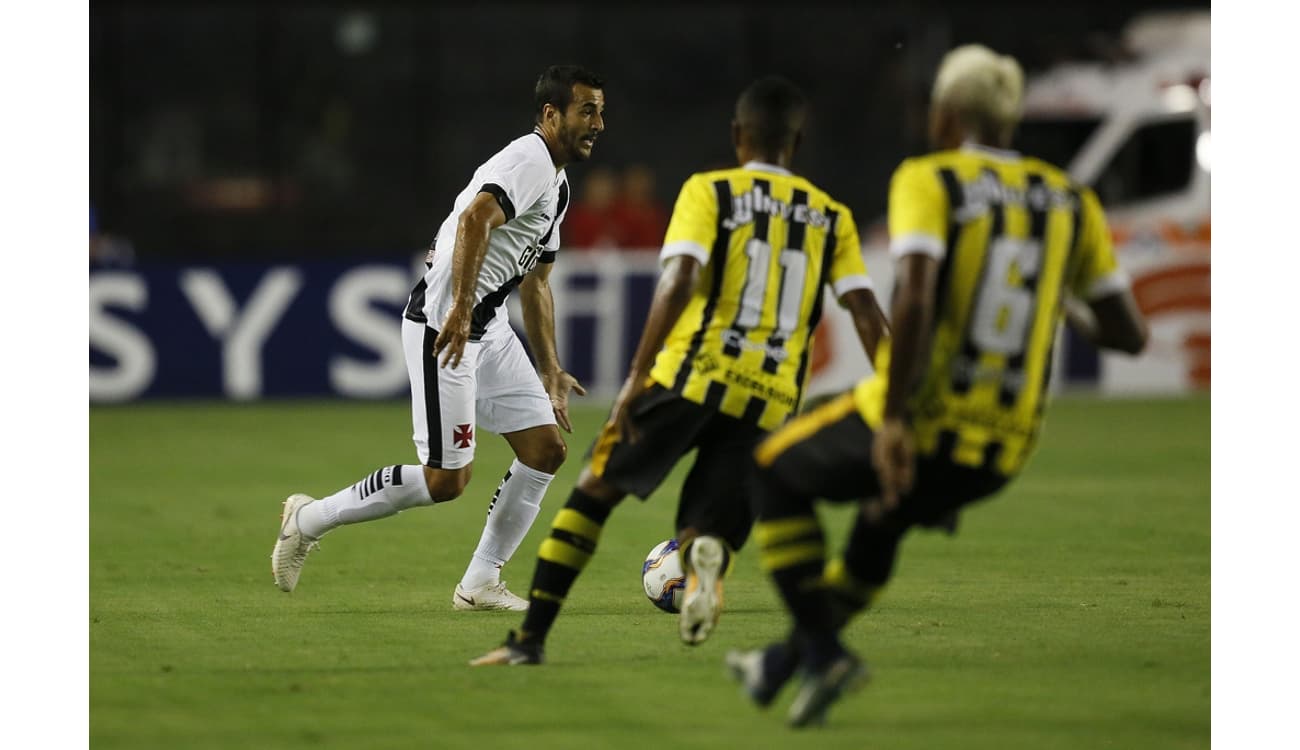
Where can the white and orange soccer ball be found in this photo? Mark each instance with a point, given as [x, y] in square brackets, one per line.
[662, 576]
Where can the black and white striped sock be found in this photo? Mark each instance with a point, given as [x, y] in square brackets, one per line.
[385, 492]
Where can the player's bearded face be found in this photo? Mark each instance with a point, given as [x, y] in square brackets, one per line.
[583, 122]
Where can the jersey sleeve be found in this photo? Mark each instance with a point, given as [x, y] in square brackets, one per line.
[517, 179]
[847, 272]
[918, 211]
[1099, 273]
[694, 223]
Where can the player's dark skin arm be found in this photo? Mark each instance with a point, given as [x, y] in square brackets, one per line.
[868, 319]
[672, 293]
[538, 304]
[480, 217]
[913, 310]
[1110, 322]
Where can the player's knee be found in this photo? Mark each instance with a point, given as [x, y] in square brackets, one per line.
[447, 484]
[596, 487]
[555, 453]
[546, 455]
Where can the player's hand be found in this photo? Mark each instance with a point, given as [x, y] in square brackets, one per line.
[452, 338]
[620, 415]
[557, 386]
[893, 456]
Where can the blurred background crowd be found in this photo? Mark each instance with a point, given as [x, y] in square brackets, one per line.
[292, 132]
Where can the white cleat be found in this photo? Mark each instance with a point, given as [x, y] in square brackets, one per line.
[292, 547]
[495, 596]
[702, 603]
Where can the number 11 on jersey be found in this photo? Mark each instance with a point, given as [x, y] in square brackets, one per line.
[794, 263]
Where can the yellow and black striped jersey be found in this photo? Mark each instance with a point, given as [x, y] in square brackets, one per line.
[769, 242]
[1013, 236]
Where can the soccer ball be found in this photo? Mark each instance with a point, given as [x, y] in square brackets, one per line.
[662, 576]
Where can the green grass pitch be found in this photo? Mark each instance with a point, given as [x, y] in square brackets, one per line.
[1072, 611]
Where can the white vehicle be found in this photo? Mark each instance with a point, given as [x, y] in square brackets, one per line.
[1138, 132]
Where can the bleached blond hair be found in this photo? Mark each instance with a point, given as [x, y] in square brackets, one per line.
[980, 86]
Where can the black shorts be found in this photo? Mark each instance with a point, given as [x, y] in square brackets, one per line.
[716, 497]
[827, 454]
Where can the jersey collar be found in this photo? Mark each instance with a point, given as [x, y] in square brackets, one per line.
[997, 153]
[537, 131]
[763, 166]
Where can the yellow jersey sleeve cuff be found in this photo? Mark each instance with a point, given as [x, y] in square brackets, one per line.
[847, 284]
[684, 247]
[917, 242]
[1112, 283]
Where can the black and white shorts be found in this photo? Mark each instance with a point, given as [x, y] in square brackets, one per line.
[495, 386]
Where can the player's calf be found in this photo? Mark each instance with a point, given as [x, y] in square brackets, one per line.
[848, 595]
[447, 484]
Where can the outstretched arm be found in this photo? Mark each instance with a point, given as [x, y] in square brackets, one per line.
[913, 308]
[672, 293]
[1109, 317]
[1110, 322]
[868, 319]
[539, 324]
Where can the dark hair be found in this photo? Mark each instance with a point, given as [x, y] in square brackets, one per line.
[555, 87]
[771, 110]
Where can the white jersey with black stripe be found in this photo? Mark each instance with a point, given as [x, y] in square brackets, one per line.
[535, 197]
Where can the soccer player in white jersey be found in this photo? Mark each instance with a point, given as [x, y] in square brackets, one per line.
[467, 367]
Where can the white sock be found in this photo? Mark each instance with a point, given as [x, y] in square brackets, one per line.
[514, 508]
[386, 492]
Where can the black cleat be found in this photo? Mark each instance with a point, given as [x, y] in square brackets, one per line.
[511, 653]
[762, 672]
[821, 688]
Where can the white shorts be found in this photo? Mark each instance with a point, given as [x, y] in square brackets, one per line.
[494, 386]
